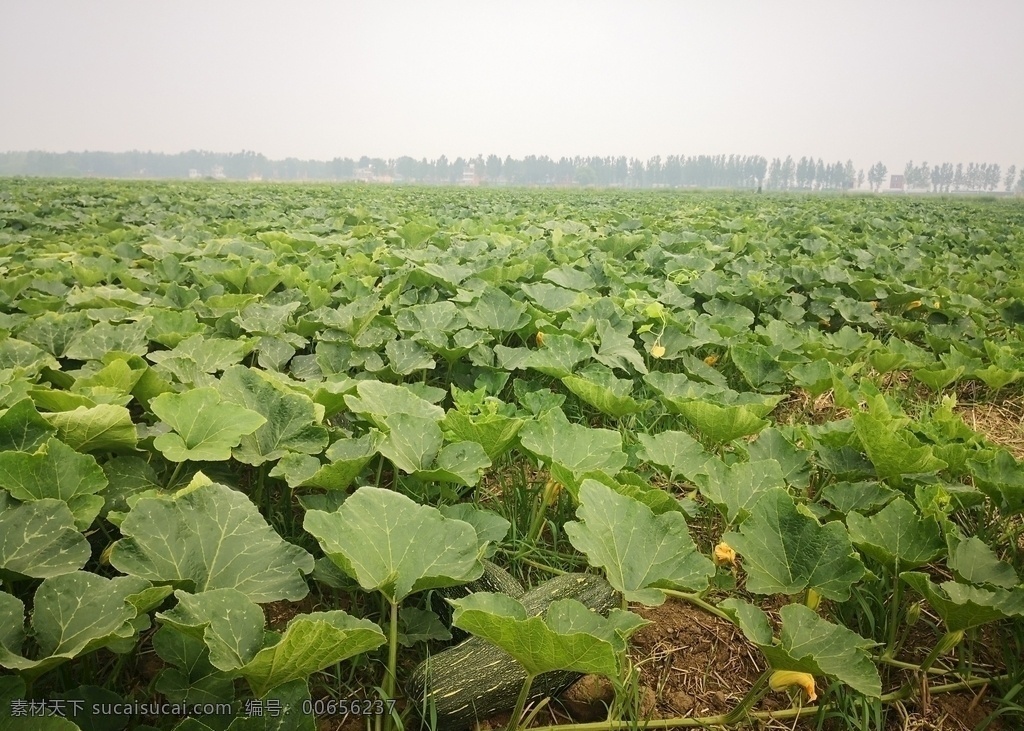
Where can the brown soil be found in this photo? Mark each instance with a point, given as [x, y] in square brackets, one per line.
[280, 613]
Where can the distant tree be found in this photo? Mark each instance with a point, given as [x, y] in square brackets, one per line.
[992, 177]
[493, 167]
[860, 178]
[441, 169]
[774, 173]
[787, 171]
[1011, 174]
[958, 177]
[456, 170]
[876, 175]
[407, 167]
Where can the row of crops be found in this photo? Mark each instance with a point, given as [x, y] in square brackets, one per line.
[221, 405]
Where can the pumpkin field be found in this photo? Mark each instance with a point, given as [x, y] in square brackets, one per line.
[309, 456]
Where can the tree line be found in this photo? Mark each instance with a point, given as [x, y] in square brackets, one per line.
[673, 171]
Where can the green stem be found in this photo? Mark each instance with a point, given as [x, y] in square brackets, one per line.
[390, 678]
[742, 709]
[174, 474]
[894, 617]
[908, 665]
[517, 712]
[537, 523]
[543, 567]
[946, 643]
[794, 712]
[698, 602]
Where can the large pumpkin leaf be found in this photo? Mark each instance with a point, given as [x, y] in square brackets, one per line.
[1001, 478]
[962, 606]
[809, 644]
[575, 448]
[208, 536]
[676, 450]
[390, 544]
[640, 552]
[786, 551]
[231, 626]
[892, 449]
[494, 432]
[55, 471]
[189, 676]
[72, 614]
[101, 428]
[559, 355]
[735, 488]
[206, 427]
[22, 429]
[376, 401]
[291, 423]
[976, 563]
[39, 538]
[599, 387]
[897, 536]
[569, 637]
[347, 458]
[720, 423]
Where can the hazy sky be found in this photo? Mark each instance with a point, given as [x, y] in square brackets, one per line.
[890, 80]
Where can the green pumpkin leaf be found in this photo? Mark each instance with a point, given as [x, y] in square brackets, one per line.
[290, 418]
[55, 471]
[39, 538]
[347, 458]
[22, 429]
[891, 449]
[568, 637]
[810, 644]
[377, 401]
[190, 678]
[737, 487]
[976, 563]
[962, 606]
[206, 427]
[494, 432]
[390, 544]
[897, 536]
[577, 449]
[231, 626]
[73, 614]
[639, 551]
[210, 537]
[490, 527]
[720, 423]
[559, 355]
[462, 463]
[101, 428]
[786, 551]
[412, 442]
[676, 450]
[599, 387]
[1001, 478]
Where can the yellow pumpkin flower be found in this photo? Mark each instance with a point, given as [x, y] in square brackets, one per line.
[711, 360]
[657, 350]
[785, 679]
[724, 555]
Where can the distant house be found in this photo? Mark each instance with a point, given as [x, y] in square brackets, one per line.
[217, 173]
[255, 176]
[193, 173]
[897, 182]
[469, 175]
